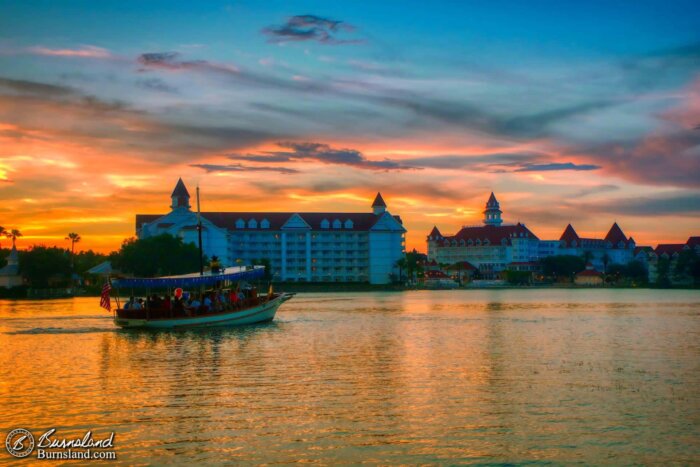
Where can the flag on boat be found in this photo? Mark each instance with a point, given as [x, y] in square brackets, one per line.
[104, 297]
[270, 292]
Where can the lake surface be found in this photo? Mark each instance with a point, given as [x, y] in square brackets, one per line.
[478, 376]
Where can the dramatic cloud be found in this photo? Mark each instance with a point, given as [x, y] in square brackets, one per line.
[213, 168]
[663, 205]
[499, 162]
[310, 28]
[321, 153]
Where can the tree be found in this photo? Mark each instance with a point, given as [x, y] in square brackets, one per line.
[663, 267]
[401, 264]
[14, 234]
[687, 266]
[606, 260]
[3, 232]
[44, 266]
[637, 272]
[562, 266]
[74, 238]
[268, 268]
[156, 256]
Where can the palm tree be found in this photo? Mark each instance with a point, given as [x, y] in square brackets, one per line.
[401, 264]
[13, 234]
[74, 238]
[3, 232]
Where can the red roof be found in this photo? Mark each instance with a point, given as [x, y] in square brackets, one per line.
[435, 233]
[379, 201]
[669, 248]
[589, 273]
[227, 220]
[569, 236]
[693, 242]
[462, 266]
[616, 235]
[495, 234]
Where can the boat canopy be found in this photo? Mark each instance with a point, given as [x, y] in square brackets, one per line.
[191, 280]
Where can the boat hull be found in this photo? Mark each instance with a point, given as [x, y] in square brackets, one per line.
[257, 314]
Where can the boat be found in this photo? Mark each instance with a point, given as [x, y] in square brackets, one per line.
[171, 314]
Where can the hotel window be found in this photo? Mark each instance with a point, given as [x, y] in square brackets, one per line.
[264, 224]
[348, 224]
[325, 224]
[336, 224]
[240, 224]
[252, 224]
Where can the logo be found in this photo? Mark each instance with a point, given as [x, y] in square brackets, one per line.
[19, 442]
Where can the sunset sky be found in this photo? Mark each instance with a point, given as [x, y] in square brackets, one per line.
[580, 112]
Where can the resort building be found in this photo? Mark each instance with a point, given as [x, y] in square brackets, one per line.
[615, 248]
[490, 247]
[495, 247]
[300, 246]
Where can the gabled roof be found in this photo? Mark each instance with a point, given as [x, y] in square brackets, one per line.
[495, 234]
[669, 248]
[180, 189]
[569, 235]
[589, 273]
[378, 201]
[693, 242]
[616, 235]
[462, 266]
[645, 249]
[435, 232]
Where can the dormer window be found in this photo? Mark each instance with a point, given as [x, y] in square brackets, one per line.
[348, 224]
[240, 224]
[447, 243]
[461, 242]
[470, 242]
[264, 224]
[504, 241]
[573, 243]
[336, 224]
[478, 242]
[621, 244]
[252, 224]
[325, 224]
[487, 242]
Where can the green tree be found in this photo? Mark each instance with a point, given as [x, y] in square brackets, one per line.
[663, 268]
[3, 232]
[156, 256]
[401, 263]
[606, 260]
[637, 272]
[686, 264]
[268, 268]
[562, 266]
[44, 266]
[86, 260]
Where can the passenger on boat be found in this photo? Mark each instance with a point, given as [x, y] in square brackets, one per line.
[139, 305]
[207, 303]
[194, 305]
[130, 304]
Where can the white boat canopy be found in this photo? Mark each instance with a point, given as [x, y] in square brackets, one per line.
[193, 279]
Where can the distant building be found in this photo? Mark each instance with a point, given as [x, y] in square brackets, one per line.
[311, 246]
[615, 248]
[589, 276]
[489, 248]
[9, 275]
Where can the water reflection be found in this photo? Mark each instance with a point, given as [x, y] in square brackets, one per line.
[443, 377]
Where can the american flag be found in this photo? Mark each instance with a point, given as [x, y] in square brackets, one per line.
[104, 298]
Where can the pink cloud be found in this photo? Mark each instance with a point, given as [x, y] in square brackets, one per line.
[88, 51]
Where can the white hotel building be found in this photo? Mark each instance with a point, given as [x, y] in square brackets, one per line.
[301, 246]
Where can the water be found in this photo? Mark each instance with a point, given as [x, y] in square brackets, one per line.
[590, 376]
